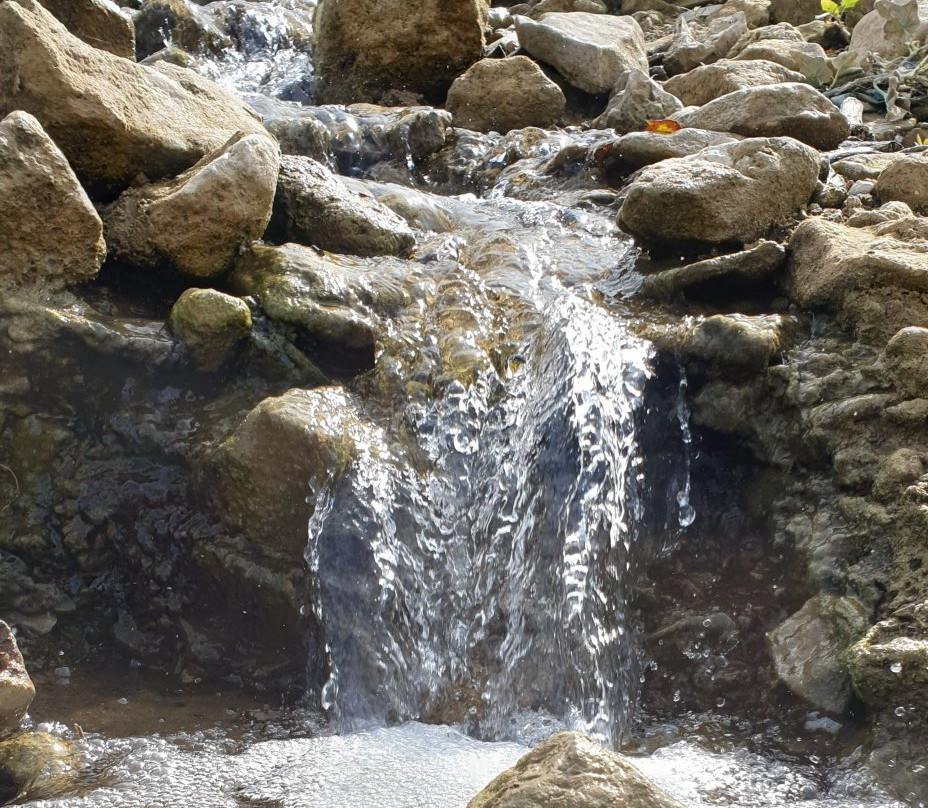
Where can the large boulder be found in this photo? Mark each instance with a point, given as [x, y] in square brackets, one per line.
[591, 51]
[905, 180]
[792, 109]
[808, 649]
[113, 119]
[16, 688]
[496, 95]
[100, 23]
[636, 99]
[570, 771]
[198, 221]
[263, 475]
[313, 207]
[363, 48]
[707, 82]
[730, 193]
[50, 234]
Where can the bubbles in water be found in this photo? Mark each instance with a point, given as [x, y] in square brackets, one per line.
[900, 711]
[896, 667]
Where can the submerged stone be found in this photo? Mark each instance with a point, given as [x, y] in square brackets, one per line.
[16, 688]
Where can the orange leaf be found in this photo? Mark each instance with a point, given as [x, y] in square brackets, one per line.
[662, 127]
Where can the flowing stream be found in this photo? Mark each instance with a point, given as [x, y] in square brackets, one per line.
[475, 568]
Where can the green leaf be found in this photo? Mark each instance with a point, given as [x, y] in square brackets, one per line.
[830, 6]
[846, 5]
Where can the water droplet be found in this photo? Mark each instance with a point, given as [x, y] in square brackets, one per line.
[720, 702]
[676, 696]
[900, 711]
[896, 667]
[707, 622]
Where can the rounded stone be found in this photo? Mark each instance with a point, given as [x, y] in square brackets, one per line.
[211, 324]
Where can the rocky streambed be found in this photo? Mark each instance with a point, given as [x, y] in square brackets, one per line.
[386, 388]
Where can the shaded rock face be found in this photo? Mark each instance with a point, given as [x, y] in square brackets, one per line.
[729, 193]
[496, 95]
[100, 23]
[50, 235]
[198, 221]
[591, 51]
[635, 150]
[697, 45]
[808, 649]
[363, 48]
[707, 82]
[776, 110]
[16, 688]
[287, 447]
[211, 324]
[570, 771]
[313, 207]
[162, 22]
[112, 118]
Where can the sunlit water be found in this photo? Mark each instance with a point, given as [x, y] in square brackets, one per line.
[494, 525]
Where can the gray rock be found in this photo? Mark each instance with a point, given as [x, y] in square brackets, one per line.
[808, 649]
[16, 688]
[887, 30]
[730, 193]
[707, 82]
[175, 22]
[733, 346]
[496, 95]
[364, 48]
[777, 110]
[701, 44]
[902, 468]
[588, 6]
[795, 12]
[907, 361]
[211, 324]
[865, 166]
[746, 268]
[112, 118]
[636, 99]
[570, 771]
[890, 212]
[197, 222]
[638, 149]
[905, 180]
[591, 51]
[100, 23]
[756, 12]
[50, 234]
[314, 207]
[805, 58]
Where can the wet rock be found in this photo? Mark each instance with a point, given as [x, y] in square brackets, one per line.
[707, 82]
[287, 447]
[364, 48]
[733, 346]
[330, 299]
[897, 471]
[867, 273]
[314, 207]
[159, 23]
[636, 99]
[889, 666]
[777, 110]
[211, 324]
[888, 29]
[36, 765]
[696, 45]
[635, 150]
[805, 58]
[16, 688]
[570, 771]
[51, 234]
[905, 180]
[808, 649]
[741, 270]
[729, 193]
[907, 361]
[591, 51]
[98, 22]
[197, 222]
[496, 95]
[112, 118]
